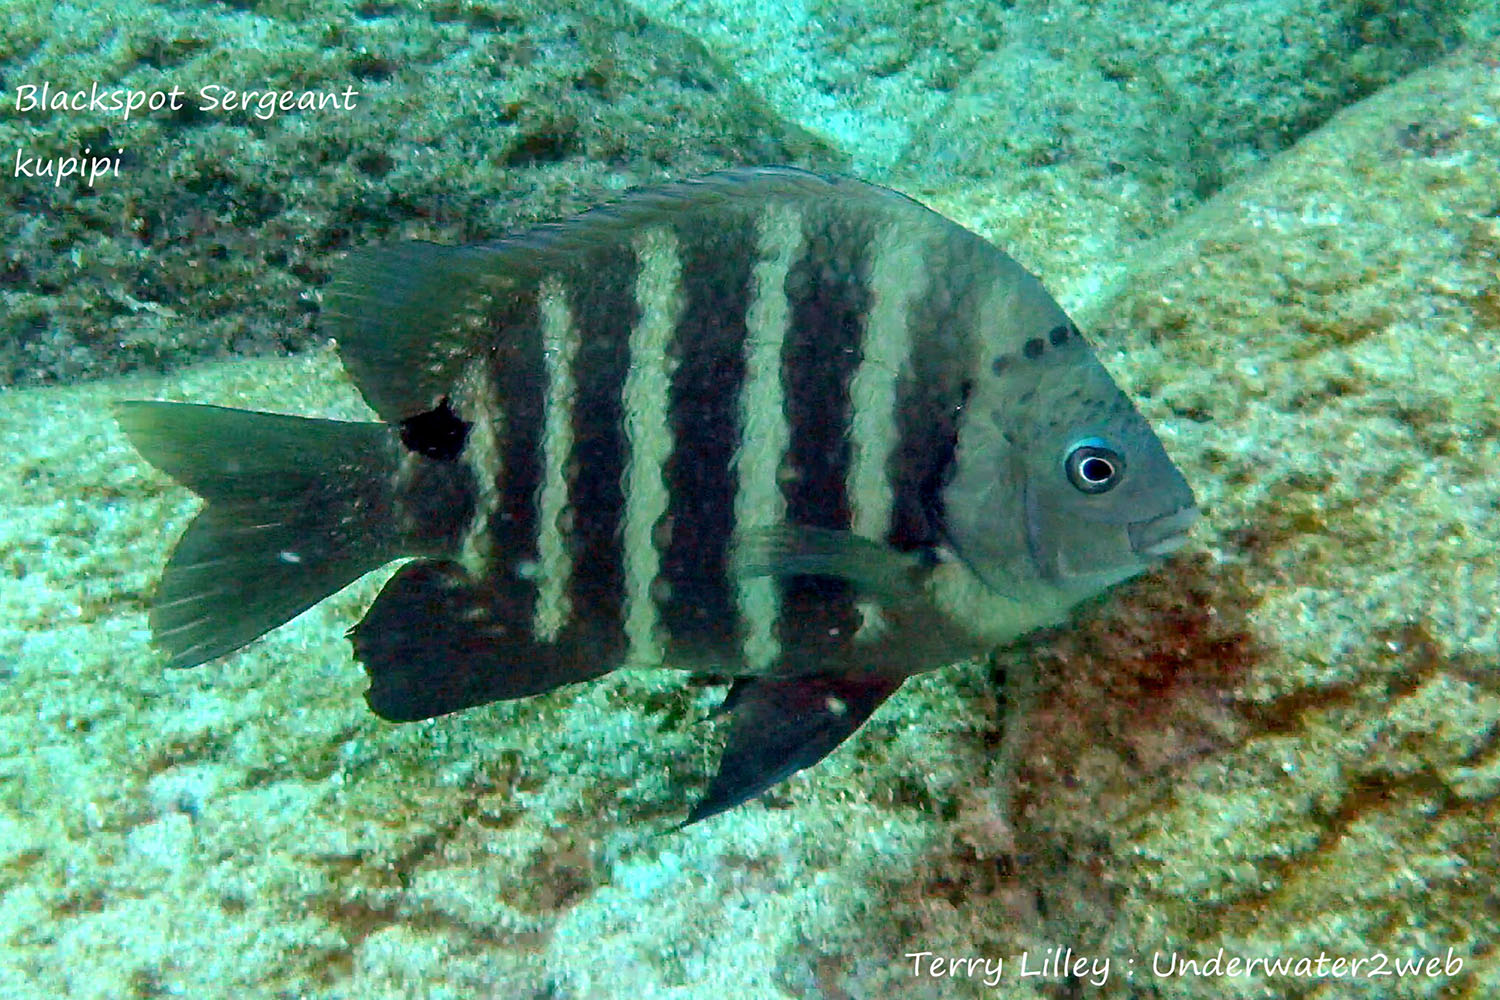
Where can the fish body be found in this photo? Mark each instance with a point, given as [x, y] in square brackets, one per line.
[793, 429]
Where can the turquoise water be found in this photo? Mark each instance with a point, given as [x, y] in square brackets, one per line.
[1275, 222]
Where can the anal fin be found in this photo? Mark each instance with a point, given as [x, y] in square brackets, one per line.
[435, 641]
[781, 725]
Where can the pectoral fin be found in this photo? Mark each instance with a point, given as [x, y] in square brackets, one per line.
[780, 725]
[875, 570]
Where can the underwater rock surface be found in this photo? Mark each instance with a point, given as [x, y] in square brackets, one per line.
[1070, 129]
[219, 228]
[1309, 761]
[1285, 743]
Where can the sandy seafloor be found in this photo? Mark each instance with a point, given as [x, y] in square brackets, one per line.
[1279, 223]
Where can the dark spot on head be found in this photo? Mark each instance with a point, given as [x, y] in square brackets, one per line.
[999, 365]
[438, 434]
[1058, 335]
[1034, 348]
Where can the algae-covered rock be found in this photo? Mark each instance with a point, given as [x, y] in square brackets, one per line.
[862, 76]
[1098, 123]
[1070, 129]
[1285, 746]
[218, 227]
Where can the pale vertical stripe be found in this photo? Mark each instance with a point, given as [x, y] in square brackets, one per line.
[898, 275]
[764, 435]
[648, 434]
[476, 401]
[554, 558]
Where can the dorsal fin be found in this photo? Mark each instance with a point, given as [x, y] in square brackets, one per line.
[407, 316]
[395, 311]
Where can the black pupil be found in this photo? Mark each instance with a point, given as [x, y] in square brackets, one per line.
[1095, 469]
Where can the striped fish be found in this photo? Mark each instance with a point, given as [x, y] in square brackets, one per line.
[793, 429]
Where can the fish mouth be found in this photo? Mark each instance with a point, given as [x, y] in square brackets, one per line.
[1162, 535]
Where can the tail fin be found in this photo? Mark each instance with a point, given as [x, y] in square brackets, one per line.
[297, 508]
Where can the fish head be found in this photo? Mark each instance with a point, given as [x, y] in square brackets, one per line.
[1059, 481]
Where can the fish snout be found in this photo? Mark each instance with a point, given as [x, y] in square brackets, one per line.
[1162, 535]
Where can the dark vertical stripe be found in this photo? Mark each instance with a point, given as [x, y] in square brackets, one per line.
[603, 295]
[930, 401]
[520, 382]
[718, 257]
[829, 301]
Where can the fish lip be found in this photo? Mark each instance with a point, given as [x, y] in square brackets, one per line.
[1163, 535]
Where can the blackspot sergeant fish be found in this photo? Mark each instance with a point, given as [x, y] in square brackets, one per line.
[794, 429]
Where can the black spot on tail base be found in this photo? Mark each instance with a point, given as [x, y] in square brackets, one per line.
[438, 434]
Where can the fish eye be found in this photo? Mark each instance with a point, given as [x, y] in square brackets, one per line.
[1093, 466]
